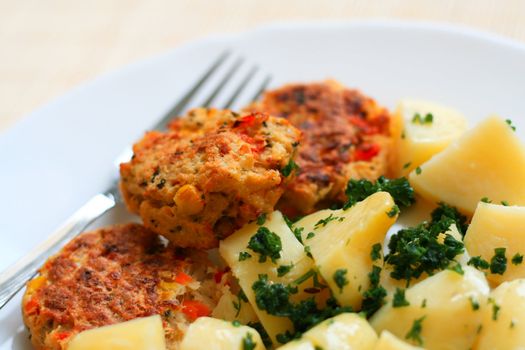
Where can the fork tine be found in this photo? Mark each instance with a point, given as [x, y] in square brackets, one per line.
[183, 102]
[261, 89]
[223, 82]
[241, 86]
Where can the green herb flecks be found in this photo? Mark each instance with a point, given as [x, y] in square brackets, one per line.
[393, 212]
[375, 253]
[457, 268]
[419, 119]
[479, 263]
[236, 323]
[325, 221]
[399, 299]
[415, 332]
[284, 269]
[374, 297]
[244, 255]
[510, 124]
[444, 211]
[498, 263]
[486, 200]
[517, 259]
[266, 243]
[399, 189]
[248, 343]
[261, 219]
[474, 303]
[310, 235]
[340, 279]
[418, 171]
[289, 168]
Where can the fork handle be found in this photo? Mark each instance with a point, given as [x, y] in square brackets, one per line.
[15, 277]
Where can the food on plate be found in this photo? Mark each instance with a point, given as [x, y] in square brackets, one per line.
[487, 161]
[144, 333]
[347, 331]
[495, 236]
[345, 135]
[220, 335]
[116, 274]
[421, 129]
[195, 188]
[504, 318]
[235, 307]
[440, 312]
[267, 259]
[346, 244]
[388, 341]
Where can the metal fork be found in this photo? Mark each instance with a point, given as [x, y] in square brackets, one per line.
[16, 276]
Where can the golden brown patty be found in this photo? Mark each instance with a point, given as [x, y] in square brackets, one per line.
[114, 275]
[345, 135]
[209, 174]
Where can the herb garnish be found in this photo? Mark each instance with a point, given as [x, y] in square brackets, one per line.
[289, 168]
[509, 122]
[399, 299]
[248, 343]
[399, 189]
[486, 200]
[261, 219]
[418, 170]
[444, 211]
[479, 263]
[457, 268]
[427, 119]
[517, 259]
[340, 279]
[498, 263]
[505, 203]
[326, 220]
[374, 297]
[244, 255]
[284, 269]
[375, 253]
[236, 323]
[407, 165]
[417, 250]
[310, 235]
[266, 243]
[415, 331]
[474, 303]
[393, 212]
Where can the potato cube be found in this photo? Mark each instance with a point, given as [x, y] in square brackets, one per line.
[388, 341]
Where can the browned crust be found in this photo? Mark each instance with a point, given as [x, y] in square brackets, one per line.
[345, 135]
[210, 174]
[114, 275]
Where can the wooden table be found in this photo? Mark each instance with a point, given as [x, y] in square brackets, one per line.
[50, 46]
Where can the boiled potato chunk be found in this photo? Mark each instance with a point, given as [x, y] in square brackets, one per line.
[248, 270]
[388, 341]
[341, 247]
[498, 226]
[448, 307]
[230, 308]
[213, 334]
[487, 161]
[504, 320]
[347, 331]
[139, 334]
[418, 141]
[300, 344]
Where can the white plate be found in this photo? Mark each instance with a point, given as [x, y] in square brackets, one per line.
[56, 158]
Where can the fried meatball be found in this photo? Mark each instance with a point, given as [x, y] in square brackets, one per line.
[114, 275]
[209, 174]
[345, 135]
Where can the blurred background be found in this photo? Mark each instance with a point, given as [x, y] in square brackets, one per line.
[49, 46]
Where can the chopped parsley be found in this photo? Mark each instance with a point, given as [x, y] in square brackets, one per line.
[297, 232]
[486, 200]
[244, 255]
[399, 189]
[457, 268]
[407, 165]
[248, 343]
[262, 332]
[474, 303]
[495, 309]
[326, 220]
[375, 253]
[509, 122]
[424, 303]
[505, 203]
[340, 279]
[479, 263]
[266, 243]
[261, 219]
[374, 297]
[415, 332]
[274, 298]
[284, 269]
[418, 170]
[417, 250]
[236, 323]
[310, 235]
[289, 168]
[517, 259]
[308, 251]
[393, 212]
[444, 211]
[399, 299]
[419, 119]
[498, 263]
